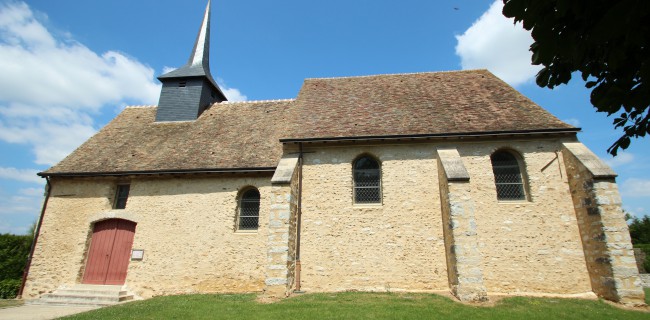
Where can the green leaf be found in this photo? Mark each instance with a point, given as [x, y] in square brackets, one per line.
[543, 77]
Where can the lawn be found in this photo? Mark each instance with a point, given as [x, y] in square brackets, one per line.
[355, 305]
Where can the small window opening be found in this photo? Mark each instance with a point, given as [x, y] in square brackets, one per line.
[121, 196]
[367, 181]
[182, 84]
[249, 210]
[507, 176]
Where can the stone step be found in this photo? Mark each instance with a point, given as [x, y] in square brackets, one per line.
[44, 301]
[85, 295]
[92, 287]
[106, 293]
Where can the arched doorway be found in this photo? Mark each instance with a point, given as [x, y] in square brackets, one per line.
[110, 252]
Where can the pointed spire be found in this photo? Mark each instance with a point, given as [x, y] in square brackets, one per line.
[199, 62]
[201, 52]
[187, 91]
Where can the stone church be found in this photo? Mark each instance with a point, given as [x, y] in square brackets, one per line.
[423, 182]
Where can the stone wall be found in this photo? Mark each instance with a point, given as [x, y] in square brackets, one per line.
[639, 256]
[526, 247]
[605, 236]
[184, 225]
[645, 280]
[392, 246]
[531, 246]
[413, 240]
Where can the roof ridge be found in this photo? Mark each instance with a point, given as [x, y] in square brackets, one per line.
[257, 101]
[398, 74]
[141, 106]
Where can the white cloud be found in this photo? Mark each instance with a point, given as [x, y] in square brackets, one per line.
[621, 159]
[19, 208]
[32, 192]
[167, 69]
[50, 88]
[493, 42]
[23, 175]
[232, 94]
[18, 212]
[635, 188]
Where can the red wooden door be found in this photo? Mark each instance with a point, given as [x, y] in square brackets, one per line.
[110, 251]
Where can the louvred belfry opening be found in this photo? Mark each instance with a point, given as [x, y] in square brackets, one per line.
[109, 253]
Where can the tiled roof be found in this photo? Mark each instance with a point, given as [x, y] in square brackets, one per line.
[413, 104]
[247, 134]
[242, 135]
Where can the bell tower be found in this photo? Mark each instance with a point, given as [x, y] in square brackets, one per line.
[189, 90]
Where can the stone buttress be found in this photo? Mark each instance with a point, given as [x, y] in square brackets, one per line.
[280, 269]
[461, 242]
[604, 232]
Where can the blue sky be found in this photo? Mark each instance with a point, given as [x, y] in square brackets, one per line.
[69, 66]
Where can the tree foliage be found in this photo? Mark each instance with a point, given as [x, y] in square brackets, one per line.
[14, 250]
[606, 41]
[640, 230]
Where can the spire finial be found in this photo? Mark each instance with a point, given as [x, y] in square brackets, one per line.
[201, 52]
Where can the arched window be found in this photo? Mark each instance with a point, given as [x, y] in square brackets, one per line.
[249, 210]
[507, 176]
[367, 180]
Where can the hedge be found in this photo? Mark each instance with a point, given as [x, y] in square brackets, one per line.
[9, 288]
[645, 248]
[14, 250]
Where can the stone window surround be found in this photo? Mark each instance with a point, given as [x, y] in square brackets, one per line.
[240, 195]
[523, 172]
[116, 195]
[352, 195]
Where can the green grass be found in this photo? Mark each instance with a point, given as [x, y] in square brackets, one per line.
[355, 305]
[6, 303]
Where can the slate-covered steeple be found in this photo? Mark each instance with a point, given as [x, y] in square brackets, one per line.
[188, 90]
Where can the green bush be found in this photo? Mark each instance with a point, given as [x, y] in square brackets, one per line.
[14, 250]
[9, 288]
[640, 230]
[645, 248]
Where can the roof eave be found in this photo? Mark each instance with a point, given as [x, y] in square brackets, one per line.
[436, 135]
[157, 172]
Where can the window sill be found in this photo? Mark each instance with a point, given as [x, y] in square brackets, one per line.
[367, 205]
[514, 201]
[246, 232]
